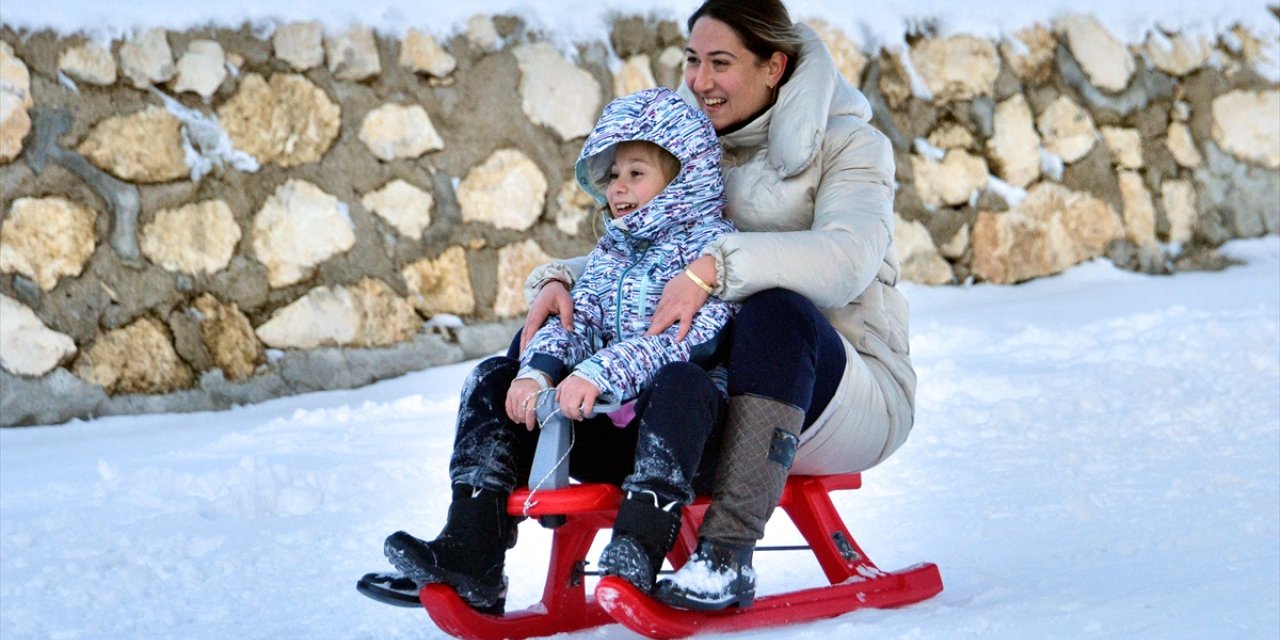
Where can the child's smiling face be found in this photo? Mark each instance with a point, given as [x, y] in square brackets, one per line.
[634, 178]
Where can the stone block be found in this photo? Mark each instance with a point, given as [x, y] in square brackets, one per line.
[441, 284]
[507, 191]
[297, 228]
[144, 146]
[46, 239]
[27, 346]
[395, 132]
[198, 238]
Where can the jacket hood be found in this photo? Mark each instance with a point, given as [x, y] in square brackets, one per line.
[661, 117]
[797, 122]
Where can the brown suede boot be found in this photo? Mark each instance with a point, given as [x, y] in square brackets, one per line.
[760, 441]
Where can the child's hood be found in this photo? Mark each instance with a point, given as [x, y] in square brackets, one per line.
[663, 118]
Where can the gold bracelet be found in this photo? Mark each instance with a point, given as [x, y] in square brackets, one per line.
[698, 281]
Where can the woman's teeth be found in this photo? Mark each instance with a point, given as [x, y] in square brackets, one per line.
[713, 102]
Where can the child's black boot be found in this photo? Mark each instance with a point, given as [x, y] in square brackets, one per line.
[469, 553]
[642, 535]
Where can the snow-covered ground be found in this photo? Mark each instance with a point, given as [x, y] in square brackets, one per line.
[1096, 455]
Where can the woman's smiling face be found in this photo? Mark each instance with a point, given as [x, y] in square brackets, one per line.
[731, 83]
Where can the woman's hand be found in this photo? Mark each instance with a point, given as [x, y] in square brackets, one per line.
[682, 298]
[552, 299]
[577, 396]
[522, 402]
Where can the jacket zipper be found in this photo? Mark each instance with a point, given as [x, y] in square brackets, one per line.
[617, 304]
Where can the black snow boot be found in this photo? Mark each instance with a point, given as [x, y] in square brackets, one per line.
[717, 576]
[469, 553]
[642, 535]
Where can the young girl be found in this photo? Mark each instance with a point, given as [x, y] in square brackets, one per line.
[655, 162]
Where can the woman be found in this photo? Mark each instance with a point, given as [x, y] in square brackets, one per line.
[820, 379]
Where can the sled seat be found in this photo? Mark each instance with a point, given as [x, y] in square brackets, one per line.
[586, 509]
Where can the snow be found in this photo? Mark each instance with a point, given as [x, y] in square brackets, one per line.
[1096, 455]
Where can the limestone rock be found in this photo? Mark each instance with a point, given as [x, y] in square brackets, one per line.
[1182, 146]
[45, 239]
[635, 75]
[441, 285]
[229, 337]
[482, 33]
[421, 53]
[1103, 57]
[1177, 55]
[957, 245]
[669, 70]
[1180, 112]
[1257, 50]
[1030, 54]
[289, 121]
[917, 254]
[1246, 124]
[1139, 211]
[15, 101]
[895, 77]
[144, 146]
[353, 55]
[573, 205]
[956, 68]
[1052, 229]
[301, 44]
[951, 182]
[394, 132]
[1179, 200]
[27, 346]
[1125, 146]
[298, 227]
[403, 206]
[139, 358]
[147, 59]
[951, 136]
[88, 63]
[507, 191]
[849, 60]
[198, 238]
[1067, 130]
[555, 93]
[515, 261]
[201, 69]
[368, 314]
[1015, 147]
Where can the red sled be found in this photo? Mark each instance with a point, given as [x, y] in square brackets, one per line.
[585, 509]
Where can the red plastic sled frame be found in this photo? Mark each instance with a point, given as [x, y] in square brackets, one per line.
[566, 606]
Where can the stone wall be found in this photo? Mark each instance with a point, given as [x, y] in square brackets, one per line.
[199, 219]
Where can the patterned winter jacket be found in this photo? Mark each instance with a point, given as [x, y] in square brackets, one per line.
[615, 298]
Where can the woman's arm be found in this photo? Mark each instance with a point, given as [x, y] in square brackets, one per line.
[546, 290]
[624, 368]
[833, 262]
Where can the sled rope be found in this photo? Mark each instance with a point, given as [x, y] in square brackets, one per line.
[529, 502]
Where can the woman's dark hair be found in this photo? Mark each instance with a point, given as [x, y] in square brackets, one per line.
[764, 26]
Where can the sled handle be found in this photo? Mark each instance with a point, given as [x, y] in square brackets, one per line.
[551, 459]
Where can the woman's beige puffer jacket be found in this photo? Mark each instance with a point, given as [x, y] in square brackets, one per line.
[817, 178]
